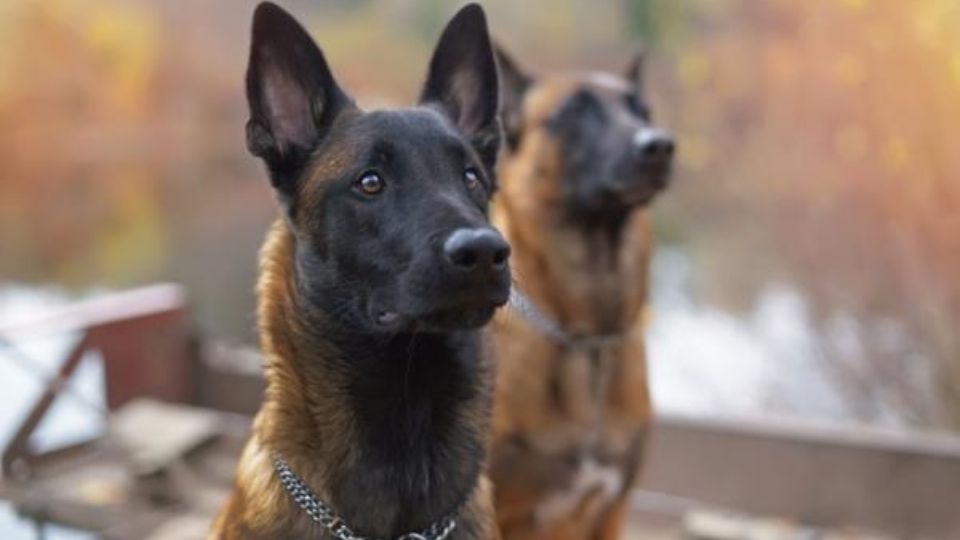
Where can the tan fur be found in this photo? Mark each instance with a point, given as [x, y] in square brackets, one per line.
[301, 401]
[547, 395]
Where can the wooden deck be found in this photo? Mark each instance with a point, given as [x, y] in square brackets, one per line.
[179, 412]
[154, 479]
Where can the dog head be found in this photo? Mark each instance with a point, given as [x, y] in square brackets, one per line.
[591, 134]
[387, 208]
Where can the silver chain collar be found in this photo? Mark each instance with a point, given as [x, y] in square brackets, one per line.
[552, 329]
[325, 516]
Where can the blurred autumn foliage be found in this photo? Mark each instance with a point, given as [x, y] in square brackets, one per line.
[816, 149]
[818, 140]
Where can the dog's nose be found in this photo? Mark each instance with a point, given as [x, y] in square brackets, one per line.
[653, 145]
[476, 249]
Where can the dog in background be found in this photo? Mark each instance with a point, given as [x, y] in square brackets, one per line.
[581, 165]
[374, 283]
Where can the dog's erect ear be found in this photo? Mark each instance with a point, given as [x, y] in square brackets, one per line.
[462, 80]
[634, 75]
[292, 94]
[514, 84]
[635, 72]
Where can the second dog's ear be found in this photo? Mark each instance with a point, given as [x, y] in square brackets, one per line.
[292, 94]
[462, 80]
[634, 76]
[514, 84]
[635, 71]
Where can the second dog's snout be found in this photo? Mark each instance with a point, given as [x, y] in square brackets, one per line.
[476, 249]
[653, 145]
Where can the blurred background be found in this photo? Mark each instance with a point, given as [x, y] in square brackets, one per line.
[808, 251]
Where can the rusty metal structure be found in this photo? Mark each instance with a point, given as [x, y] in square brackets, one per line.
[178, 407]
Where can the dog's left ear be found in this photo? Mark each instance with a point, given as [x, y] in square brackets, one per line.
[514, 84]
[635, 71]
[634, 75]
[462, 81]
[292, 94]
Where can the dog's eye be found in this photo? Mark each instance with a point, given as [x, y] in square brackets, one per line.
[371, 183]
[471, 177]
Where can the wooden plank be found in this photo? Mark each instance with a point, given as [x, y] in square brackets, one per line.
[906, 484]
[154, 434]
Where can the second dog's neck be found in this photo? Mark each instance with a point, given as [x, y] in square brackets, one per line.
[386, 429]
[582, 274]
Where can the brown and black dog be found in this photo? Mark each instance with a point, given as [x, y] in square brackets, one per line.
[572, 404]
[374, 284]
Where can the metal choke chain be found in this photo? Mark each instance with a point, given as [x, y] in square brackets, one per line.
[325, 516]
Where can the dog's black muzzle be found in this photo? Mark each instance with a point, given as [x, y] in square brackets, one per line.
[458, 285]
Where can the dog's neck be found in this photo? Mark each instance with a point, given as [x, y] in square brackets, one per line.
[388, 430]
[589, 276]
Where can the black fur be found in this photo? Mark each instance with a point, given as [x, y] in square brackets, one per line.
[420, 456]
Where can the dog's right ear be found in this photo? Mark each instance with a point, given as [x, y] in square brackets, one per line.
[514, 84]
[292, 94]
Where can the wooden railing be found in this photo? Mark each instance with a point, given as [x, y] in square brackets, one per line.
[144, 341]
[896, 482]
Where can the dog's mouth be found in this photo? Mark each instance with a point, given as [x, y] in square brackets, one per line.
[440, 301]
[445, 318]
[636, 197]
[387, 318]
[640, 190]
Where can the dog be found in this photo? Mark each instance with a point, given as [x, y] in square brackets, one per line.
[581, 164]
[374, 284]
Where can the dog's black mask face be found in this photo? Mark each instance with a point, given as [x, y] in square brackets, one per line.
[388, 208]
[612, 158]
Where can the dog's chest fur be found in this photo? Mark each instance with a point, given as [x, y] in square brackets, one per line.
[419, 440]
